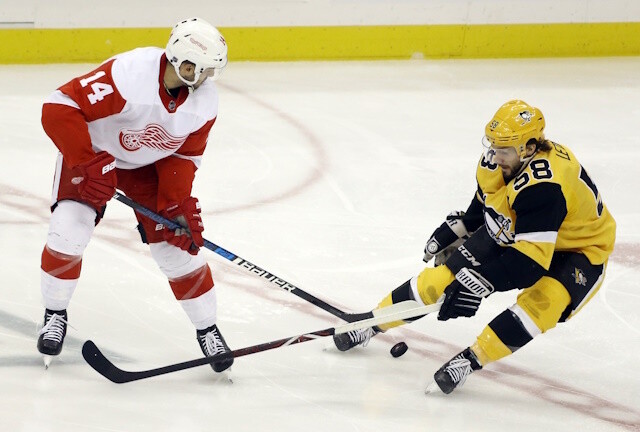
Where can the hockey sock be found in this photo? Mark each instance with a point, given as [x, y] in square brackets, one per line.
[197, 297]
[193, 284]
[59, 277]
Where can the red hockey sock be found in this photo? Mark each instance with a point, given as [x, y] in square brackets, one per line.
[192, 285]
[60, 265]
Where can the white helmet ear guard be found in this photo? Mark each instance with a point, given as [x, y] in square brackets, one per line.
[196, 41]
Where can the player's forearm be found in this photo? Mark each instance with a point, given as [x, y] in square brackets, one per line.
[473, 217]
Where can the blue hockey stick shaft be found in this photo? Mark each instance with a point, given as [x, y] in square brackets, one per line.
[239, 261]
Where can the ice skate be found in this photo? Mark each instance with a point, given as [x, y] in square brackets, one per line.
[51, 336]
[346, 341]
[212, 343]
[454, 373]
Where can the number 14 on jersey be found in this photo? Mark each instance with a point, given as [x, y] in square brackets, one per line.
[100, 90]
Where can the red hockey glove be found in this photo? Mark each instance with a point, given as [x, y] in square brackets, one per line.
[186, 214]
[98, 182]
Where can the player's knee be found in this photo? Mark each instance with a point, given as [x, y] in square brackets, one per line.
[543, 303]
[431, 283]
[174, 262]
[537, 310]
[71, 227]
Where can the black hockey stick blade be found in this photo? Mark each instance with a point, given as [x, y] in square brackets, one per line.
[101, 364]
[104, 367]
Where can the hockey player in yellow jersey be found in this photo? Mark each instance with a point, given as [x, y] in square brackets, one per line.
[537, 223]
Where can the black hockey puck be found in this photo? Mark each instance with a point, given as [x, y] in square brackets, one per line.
[398, 349]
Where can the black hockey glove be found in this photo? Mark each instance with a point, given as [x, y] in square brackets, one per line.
[463, 295]
[446, 239]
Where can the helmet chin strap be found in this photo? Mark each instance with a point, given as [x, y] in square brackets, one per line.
[525, 161]
[190, 84]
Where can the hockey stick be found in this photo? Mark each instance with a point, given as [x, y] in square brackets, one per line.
[241, 262]
[399, 311]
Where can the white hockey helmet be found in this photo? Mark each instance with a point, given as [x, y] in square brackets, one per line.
[200, 43]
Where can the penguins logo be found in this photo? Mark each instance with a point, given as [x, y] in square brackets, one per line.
[579, 277]
[525, 116]
[498, 226]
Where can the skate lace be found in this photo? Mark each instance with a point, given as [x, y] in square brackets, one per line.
[459, 369]
[212, 343]
[362, 336]
[54, 329]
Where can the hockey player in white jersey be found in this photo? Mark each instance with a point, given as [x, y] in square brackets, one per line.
[139, 122]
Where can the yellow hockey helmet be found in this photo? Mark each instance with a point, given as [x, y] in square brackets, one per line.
[514, 125]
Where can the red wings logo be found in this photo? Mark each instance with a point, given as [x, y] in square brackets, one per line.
[153, 136]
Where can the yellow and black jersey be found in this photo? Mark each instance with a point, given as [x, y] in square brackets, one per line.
[551, 205]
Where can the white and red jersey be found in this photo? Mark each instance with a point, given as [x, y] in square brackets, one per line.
[122, 108]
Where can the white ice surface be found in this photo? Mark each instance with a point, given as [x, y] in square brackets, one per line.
[331, 176]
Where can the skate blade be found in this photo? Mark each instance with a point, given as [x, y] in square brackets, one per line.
[228, 375]
[224, 376]
[47, 361]
[432, 388]
[330, 346]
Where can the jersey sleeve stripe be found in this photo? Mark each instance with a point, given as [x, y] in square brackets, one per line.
[538, 237]
[57, 97]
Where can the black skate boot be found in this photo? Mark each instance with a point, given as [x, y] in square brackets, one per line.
[455, 372]
[212, 343]
[346, 341]
[51, 336]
